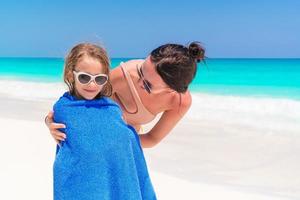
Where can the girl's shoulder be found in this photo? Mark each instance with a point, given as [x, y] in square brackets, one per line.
[107, 101]
[68, 100]
[66, 97]
[62, 101]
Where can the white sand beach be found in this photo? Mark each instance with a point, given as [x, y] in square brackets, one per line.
[239, 149]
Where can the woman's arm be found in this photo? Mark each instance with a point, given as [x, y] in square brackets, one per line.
[53, 128]
[166, 123]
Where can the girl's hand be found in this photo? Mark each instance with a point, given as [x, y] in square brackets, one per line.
[53, 128]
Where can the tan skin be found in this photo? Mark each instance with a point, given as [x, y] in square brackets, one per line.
[161, 100]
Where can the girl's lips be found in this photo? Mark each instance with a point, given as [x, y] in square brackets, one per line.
[89, 90]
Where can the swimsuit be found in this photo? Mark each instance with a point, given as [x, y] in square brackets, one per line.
[141, 115]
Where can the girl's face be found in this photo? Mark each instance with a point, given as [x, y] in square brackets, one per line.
[90, 66]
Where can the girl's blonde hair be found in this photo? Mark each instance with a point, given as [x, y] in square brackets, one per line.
[76, 54]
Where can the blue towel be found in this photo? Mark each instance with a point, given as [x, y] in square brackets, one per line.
[102, 157]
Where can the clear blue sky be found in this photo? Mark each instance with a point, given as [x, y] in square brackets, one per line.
[257, 28]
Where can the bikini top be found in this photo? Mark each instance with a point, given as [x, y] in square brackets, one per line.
[141, 115]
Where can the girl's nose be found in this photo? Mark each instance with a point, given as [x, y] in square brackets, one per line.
[93, 84]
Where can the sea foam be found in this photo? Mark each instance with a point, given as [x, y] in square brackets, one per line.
[261, 115]
[31, 90]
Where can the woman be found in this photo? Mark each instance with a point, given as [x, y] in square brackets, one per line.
[145, 88]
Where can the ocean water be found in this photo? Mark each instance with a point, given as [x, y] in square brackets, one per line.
[250, 77]
[271, 78]
[256, 96]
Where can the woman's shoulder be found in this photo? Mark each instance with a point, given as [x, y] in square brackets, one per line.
[134, 62]
[182, 101]
[117, 76]
[128, 65]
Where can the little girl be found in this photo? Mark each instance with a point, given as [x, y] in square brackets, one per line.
[102, 157]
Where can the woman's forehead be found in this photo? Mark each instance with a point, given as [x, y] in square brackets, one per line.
[150, 73]
[148, 69]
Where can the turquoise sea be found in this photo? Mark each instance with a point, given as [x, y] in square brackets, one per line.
[278, 78]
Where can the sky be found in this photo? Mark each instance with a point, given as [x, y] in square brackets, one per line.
[227, 29]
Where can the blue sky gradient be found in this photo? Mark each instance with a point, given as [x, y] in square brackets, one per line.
[235, 29]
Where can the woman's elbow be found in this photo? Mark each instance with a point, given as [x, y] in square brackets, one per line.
[148, 141]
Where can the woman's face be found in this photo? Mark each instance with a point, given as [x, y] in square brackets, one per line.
[93, 67]
[150, 80]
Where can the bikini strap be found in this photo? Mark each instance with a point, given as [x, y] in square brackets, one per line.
[134, 93]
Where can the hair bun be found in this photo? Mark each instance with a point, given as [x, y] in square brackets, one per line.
[196, 51]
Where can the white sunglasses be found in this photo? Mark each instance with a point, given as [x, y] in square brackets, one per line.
[85, 78]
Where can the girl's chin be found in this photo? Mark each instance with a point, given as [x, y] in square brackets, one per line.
[88, 95]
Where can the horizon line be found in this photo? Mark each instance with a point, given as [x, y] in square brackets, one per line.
[54, 57]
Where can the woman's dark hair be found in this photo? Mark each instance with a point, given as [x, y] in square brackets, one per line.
[177, 64]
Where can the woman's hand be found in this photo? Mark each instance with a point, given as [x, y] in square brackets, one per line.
[53, 128]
